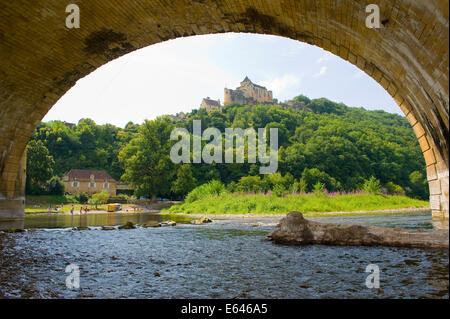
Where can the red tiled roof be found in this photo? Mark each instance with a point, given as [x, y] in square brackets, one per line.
[85, 175]
[212, 102]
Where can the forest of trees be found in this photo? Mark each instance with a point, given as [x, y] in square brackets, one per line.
[338, 146]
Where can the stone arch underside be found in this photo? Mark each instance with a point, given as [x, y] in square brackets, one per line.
[40, 59]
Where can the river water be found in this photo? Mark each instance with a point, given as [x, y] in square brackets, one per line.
[224, 259]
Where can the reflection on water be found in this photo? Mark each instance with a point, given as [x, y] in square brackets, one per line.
[102, 219]
[411, 221]
[218, 260]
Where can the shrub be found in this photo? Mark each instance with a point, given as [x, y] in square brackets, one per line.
[300, 186]
[318, 188]
[279, 190]
[213, 187]
[312, 176]
[372, 186]
[394, 189]
[82, 198]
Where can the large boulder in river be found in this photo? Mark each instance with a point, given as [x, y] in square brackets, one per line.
[295, 229]
[128, 225]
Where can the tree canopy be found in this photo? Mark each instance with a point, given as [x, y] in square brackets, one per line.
[329, 143]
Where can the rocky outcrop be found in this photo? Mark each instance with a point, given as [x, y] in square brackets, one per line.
[295, 229]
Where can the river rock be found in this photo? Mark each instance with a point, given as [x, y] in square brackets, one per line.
[14, 230]
[169, 223]
[128, 225]
[108, 228]
[202, 220]
[151, 223]
[81, 228]
[295, 229]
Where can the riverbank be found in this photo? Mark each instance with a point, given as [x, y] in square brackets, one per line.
[309, 204]
[324, 214]
[60, 205]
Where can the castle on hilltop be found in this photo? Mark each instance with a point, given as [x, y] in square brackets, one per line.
[248, 93]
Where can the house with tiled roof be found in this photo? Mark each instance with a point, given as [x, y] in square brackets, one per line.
[89, 181]
[211, 105]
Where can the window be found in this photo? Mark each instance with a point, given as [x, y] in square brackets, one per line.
[75, 184]
[106, 185]
[91, 185]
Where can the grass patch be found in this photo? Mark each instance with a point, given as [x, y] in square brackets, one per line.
[227, 203]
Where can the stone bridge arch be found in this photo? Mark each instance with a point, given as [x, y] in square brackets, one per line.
[40, 59]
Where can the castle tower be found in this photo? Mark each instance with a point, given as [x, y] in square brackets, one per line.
[227, 96]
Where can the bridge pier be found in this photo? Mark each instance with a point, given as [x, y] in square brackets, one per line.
[12, 192]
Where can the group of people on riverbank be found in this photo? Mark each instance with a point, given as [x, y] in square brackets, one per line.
[56, 209]
[82, 209]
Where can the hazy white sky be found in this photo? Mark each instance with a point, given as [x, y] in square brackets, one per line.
[174, 76]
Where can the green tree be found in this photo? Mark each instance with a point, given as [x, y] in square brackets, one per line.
[250, 184]
[39, 167]
[418, 185]
[146, 160]
[185, 181]
[55, 186]
[99, 198]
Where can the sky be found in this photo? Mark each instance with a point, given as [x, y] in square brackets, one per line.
[174, 76]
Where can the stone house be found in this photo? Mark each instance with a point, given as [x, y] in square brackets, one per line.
[211, 105]
[89, 181]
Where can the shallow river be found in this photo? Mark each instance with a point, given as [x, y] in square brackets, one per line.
[225, 259]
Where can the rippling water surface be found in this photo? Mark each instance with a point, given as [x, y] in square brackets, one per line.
[225, 259]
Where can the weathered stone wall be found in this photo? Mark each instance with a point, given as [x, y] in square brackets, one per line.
[40, 59]
[83, 187]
